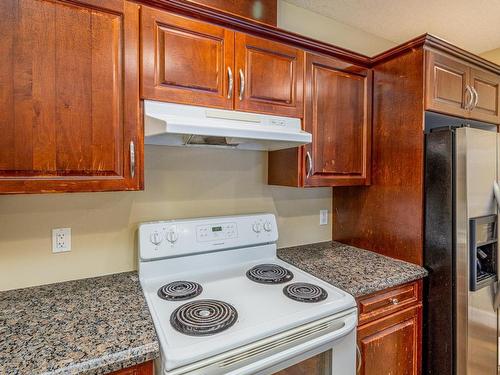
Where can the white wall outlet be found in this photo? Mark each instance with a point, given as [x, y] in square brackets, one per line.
[61, 240]
[323, 217]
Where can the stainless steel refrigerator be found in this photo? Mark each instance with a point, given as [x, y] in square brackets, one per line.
[461, 252]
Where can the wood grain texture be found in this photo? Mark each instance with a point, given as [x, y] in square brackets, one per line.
[387, 217]
[445, 81]
[65, 87]
[258, 10]
[273, 76]
[392, 345]
[487, 86]
[338, 114]
[146, 368]
[388, 301]
[185, 61]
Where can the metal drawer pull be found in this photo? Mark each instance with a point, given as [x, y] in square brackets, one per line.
[132, 159]
[476, 97]
[468, 105]
[231, 83]
[394, 301]
[358, 355]
[309, 164]
[242, 85]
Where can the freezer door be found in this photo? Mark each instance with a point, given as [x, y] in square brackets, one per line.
[476, 319]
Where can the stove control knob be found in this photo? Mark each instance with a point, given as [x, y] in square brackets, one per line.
[155, 238]
[172, 236]
[267, 226]
[256, 227]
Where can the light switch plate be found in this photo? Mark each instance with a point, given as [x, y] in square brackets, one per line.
[61, 240]
[323, 217]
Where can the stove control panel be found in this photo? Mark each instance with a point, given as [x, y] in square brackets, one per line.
[215, 232]
[165, 239]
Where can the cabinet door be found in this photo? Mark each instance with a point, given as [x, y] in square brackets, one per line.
[185, 60]
[69, 96]
[269, 77]
[146, 368]
[338, 114]
[486, 104]
[446, 81]
[392, 345]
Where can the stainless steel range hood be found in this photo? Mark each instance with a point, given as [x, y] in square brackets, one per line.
[183, 125]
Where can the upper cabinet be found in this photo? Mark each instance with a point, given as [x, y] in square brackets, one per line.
[270, 77]
[338, 114]
[186, 61]
[193, 62]
[69, 96]
[457, 88]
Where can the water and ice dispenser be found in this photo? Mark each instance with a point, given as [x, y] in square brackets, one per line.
[483, 251]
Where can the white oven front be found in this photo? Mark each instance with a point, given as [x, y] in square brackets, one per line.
[329, 342]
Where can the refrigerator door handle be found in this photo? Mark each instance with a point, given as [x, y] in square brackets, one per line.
[496, 290]
[496, 191]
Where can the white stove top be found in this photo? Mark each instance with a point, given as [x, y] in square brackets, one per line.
[263, 309]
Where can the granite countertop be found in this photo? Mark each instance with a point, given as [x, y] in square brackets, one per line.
[89, 326]
[357, 271]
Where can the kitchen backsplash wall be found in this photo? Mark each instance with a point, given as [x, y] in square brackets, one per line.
[179, 183]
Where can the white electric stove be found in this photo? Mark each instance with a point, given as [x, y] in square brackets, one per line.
[223, 303]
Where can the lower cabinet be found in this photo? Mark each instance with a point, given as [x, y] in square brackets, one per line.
[146, 368]
[390, 337]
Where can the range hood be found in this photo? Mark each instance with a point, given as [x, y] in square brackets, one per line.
[184, 125]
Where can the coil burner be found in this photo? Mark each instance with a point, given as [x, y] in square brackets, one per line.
[269, 274]
[180, 290]
[203, 317]
[305, 292]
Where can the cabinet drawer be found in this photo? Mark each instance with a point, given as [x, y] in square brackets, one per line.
[388, 301]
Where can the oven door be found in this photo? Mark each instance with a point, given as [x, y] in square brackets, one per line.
[329, 345]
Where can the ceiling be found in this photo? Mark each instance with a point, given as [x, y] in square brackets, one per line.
[472, 25]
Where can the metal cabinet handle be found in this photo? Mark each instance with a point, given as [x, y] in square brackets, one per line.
[394, 301]
[468, 105]
[231, 83]
[476, 97]
[309, 164]
[132, 159]
[242, 85]
[358, 356]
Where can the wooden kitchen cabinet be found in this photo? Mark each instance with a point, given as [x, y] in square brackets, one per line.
[146, 368]
[186, 61]
[486, 84]
[269, 76]
[69, 96]
[457, 88]
[338, 115]
[390, 331]
[446, 81]
[193, 62]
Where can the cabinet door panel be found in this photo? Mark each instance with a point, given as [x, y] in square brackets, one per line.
[185, 61]
[338, 115]
[446, 81]
[392, 345]
[70, 109]
[273, 76]
[487, 87]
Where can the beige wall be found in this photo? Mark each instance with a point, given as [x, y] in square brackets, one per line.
[179, 183]
[493, 55]
[316, 26]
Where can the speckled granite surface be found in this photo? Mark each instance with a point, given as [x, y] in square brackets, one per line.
[89, 326]
[357, 271]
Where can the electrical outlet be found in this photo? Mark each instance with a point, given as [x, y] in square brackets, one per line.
[61, 240]
[323, 217]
